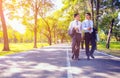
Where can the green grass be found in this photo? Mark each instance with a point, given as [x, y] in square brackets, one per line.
[19, 47]
[114, 48]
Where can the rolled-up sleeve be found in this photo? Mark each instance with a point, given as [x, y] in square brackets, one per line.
[70, 28]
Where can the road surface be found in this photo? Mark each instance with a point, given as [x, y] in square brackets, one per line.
[55, 62]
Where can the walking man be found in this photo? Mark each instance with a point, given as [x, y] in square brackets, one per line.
[75, 29]
[87, 27]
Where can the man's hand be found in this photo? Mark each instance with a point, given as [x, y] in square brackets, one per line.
[77, 30]
[89, 28]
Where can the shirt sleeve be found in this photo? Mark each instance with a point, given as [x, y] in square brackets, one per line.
[91, 24]
[70, 25]
[84, 26]
[80, 26]
[70, 28]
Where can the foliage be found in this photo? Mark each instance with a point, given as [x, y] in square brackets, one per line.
[52, 26]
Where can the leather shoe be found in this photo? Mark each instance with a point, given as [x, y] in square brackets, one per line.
[92, 56]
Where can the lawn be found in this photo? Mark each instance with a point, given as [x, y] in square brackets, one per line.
[114, 48]
[19, 47]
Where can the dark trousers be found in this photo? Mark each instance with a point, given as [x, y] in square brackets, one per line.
[87, 43]
[76, 44]
[82, 43]
[93, 45]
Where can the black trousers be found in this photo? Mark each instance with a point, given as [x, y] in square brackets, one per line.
[88, 38]
[93, 45]
[76, 44]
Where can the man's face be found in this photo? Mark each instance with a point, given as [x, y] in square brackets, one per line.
[78, 17]
[87, 16]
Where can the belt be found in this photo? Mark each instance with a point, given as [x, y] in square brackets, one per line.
[78, 33]
[87, 33]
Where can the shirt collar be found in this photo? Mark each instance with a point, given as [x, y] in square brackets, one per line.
[88, 20]
[76, 20]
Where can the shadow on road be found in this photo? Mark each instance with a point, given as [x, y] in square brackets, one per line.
[35, 64]
[101, 67]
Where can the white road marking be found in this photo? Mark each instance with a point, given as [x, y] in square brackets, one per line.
[69, 71]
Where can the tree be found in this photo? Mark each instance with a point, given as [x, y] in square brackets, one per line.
[97, 12]
[111, 26]
[92, 9]
[109, 10]
[38, 7]
[31, 10]
[5, 35]
[49, 28]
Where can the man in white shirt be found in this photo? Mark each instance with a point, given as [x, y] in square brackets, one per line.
[75, 29]
[87, 26]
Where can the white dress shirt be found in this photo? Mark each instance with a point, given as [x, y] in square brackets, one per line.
[76, 24]
[86, 24]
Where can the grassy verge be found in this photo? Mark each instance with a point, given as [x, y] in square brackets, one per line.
[114, 48]
[19, 47]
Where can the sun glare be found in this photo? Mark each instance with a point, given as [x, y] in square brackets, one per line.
[16, 25]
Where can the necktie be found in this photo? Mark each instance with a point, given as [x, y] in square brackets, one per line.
[77, 26]
[77, 22]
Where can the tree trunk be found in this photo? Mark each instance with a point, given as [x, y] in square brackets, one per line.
[62, 39]
[111, 28]
[50, 41]
[92, 10]
[54, 36]
[35, 27]
[97, 13]
[109, 34]
[49, 30]
[5, 35]
[50, 38]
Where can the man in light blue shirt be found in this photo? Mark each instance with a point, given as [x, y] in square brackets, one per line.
[75, 29]
[87, 26]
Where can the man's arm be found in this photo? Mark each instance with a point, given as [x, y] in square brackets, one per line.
[70, 26]
[70, 29]
[91, 25]
[83, 26]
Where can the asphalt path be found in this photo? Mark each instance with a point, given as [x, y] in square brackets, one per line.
[55, 62]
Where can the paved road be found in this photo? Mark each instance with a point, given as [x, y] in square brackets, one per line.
[55, 62]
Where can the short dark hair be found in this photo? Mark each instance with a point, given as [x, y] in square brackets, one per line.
[88, 14]
[76, 14]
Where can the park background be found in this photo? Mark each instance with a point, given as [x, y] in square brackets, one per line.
[29, 24]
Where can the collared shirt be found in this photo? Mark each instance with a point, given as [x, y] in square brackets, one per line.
[86, 24]
[76, 24]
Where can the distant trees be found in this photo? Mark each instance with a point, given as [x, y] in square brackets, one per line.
[38, 8]
[31, 10]
[44, 25]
